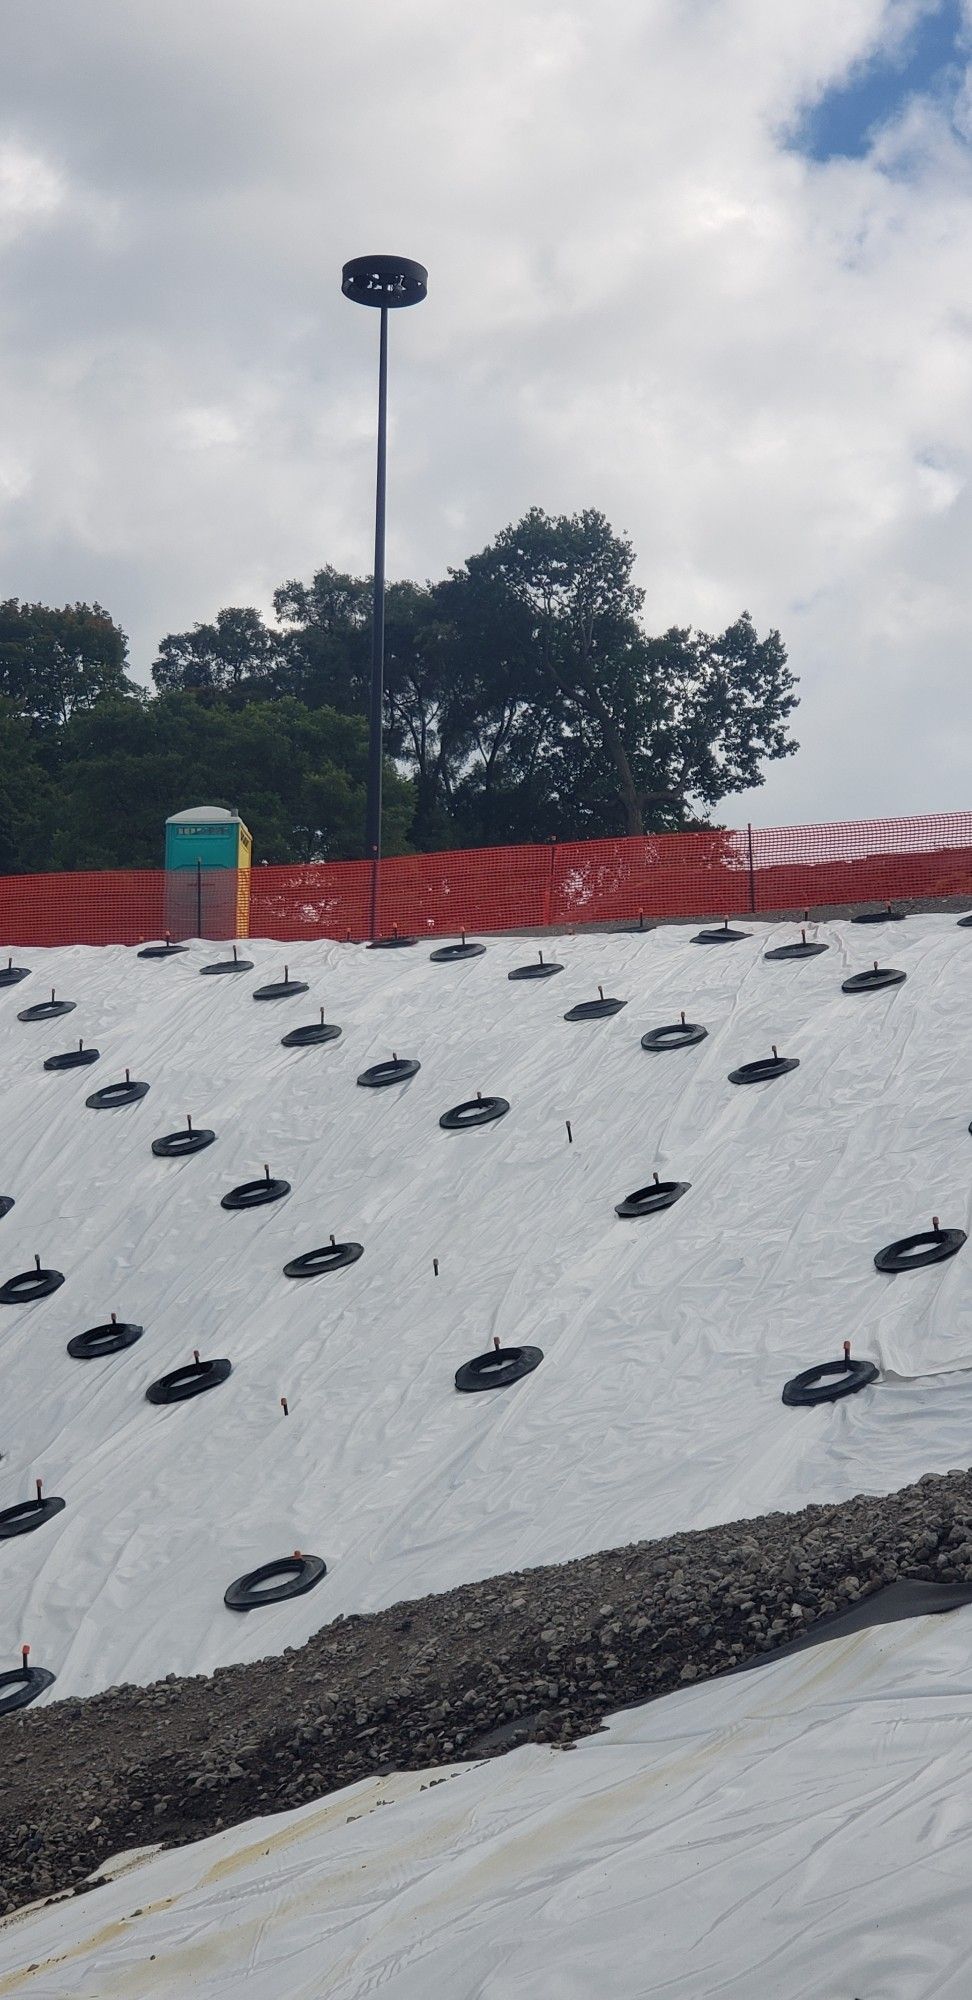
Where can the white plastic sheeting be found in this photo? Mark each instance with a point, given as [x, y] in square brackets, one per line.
[666, 1340]
[802, 1832]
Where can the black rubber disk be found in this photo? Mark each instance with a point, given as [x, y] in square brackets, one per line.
[309, 1037]
[536, 971]
[333, 1257]
[724, 935]
[28, 1515]
[162, 950]
[107, 1339]
[73, 1059]
[6, 1204]
[192, 1380]
[447, 954]
[764, 1070]
[255, 1194]
[225, 965]
[28, 1285]
[888, 916]
[47, 1010]
[828, 1383]
[178, 1145]
[965, 923]
[393, 943]
[22, 1686]
[297, 1574]
[594, 1010]
[927, 1246]
[381, 1073]
[872, 982]
[112, 1096]
[647, 1200]
[787, 951]
[474, 1111]
[498, 1369]
[13, 974]
[678, 1035]
[280, 989]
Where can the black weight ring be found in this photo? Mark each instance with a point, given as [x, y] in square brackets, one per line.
[192, 1380]
[965, 923]
[107, 1339]
[805, 950]
[498, 1369]
[314, 1263]
[12, 974]
[255, 1194]
[764, 1070]
[166, 950]
[941, 1243]
[721, 936]
[392, 943]
[28, 1515]
[112, 1096]
[22, 1686]
[678, 1035]
[309, 1037]
[873, 981]
[647, 1200]
[28, 1285]
[545, 970]
[6, 1203]
[47, 1010]
[226, 965]
[474, 1111]
[828, 1383]
[594, 1010]
[887, 916]
[280, 989]
[178, 1145]
[449, 953]
[301, 1574]
[73, 1059]
[381, 1073]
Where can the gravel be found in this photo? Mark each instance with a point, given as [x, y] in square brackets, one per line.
[542, 1655]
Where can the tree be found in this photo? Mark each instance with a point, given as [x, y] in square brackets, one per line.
[25, 797]
[238, 654]
[603, 728]
[297, 775]
[55, 662]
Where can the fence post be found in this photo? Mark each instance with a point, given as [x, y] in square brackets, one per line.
[548, 888]
[199, 928]
[752, 871]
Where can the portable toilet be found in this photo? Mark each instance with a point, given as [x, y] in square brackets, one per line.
[207, 867]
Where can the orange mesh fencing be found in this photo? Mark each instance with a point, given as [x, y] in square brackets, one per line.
[712, 873]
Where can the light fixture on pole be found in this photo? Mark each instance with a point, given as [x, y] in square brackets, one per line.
[383, 282]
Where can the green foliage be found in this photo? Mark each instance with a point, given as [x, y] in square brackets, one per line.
[524, 701]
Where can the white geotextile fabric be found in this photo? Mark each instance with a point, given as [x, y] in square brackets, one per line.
[801, 1832]
[667, 1340]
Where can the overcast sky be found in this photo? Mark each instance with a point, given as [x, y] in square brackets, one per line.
[703, 264]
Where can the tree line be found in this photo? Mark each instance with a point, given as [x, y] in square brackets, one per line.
[524, 701]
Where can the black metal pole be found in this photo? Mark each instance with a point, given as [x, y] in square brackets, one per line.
[373, 831]
[199, 928]
[752, 871]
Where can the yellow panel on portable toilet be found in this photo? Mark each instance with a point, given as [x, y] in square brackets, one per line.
[208, 850]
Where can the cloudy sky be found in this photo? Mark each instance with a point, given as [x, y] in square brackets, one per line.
[704, 264]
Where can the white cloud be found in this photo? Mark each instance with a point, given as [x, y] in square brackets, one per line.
[639, 299]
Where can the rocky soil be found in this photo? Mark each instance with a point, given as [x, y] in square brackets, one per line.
[539, 1656]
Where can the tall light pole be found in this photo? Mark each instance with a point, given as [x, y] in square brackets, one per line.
[383, 282]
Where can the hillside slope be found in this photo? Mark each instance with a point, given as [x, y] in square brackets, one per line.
[666, 1339]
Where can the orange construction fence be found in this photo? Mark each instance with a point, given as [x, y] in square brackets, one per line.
[665, 875]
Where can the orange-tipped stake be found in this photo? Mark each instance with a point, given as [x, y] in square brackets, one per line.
[600, 991]
[24, 1657]
[195, 1356]
[283, 1406]
[496, 1342]
[570, 1136]
[846, 1353]
[435, 1267]
[936, 1225]
[39, 1484]
[682, 1017]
